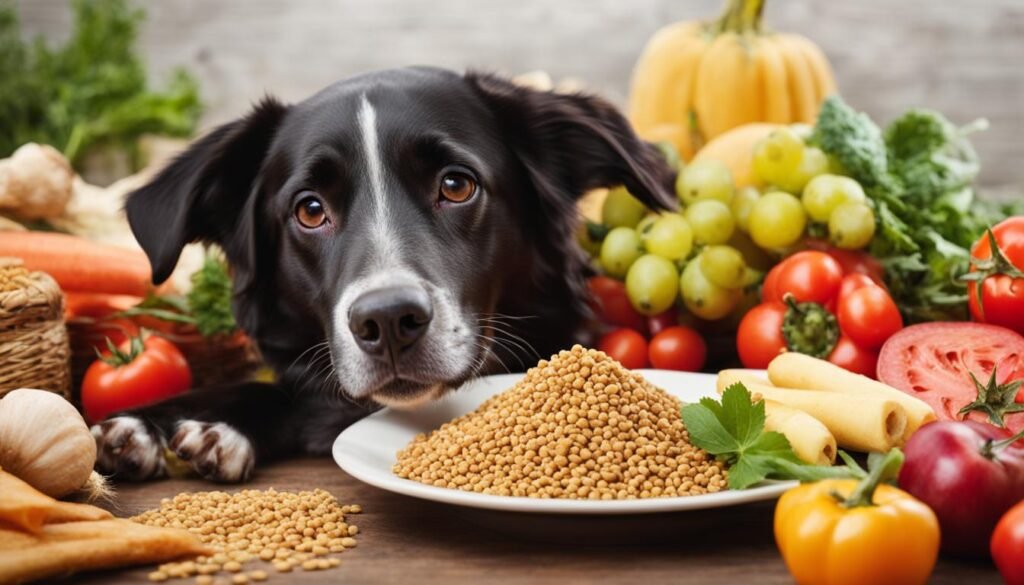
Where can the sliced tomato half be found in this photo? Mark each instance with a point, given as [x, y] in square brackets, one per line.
[933, 362]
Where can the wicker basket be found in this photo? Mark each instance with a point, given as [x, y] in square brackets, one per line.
[217, 360]
[33, 339]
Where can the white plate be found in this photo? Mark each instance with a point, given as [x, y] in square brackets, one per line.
[367, 451]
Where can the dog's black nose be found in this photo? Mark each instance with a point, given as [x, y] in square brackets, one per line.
[387, 320]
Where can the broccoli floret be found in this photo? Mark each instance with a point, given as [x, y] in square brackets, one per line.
[853, 139]
[930, 156]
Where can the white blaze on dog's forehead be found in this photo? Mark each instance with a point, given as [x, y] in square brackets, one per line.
[384, 240]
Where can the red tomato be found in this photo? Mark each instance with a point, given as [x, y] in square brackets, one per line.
[869, 316]
[848, 355]
[808, 276]
[678, 348]
[852, 261]
[759, 338]
[1002, 295]
[1007, 546]
[933, 362]
[138, 376]
[626, 346]
[770, 287]
[852, 282]
[662, 321]
[613, 304]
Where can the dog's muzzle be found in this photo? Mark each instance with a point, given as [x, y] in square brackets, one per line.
[388, 321]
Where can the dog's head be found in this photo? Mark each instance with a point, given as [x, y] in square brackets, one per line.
[390, 214]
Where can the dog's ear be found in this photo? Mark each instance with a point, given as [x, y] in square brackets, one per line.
[571, 143]
[201, 194]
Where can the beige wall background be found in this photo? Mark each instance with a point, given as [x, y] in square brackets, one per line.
[963, 57]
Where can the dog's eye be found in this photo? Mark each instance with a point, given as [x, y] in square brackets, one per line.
[457, 187]
[310, 213]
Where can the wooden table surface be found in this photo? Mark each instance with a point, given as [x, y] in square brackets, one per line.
[404, 540]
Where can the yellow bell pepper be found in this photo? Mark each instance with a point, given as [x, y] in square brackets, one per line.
[845, 532]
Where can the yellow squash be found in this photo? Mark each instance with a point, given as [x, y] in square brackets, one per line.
[696, 80]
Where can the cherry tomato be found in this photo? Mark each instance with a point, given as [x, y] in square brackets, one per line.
[662, 321]
[1007, 546]
[850, 356]
[612, 303]
[770, 287]
[808, 276]
[852, 261]
[759, 338]
[139, 373]
[678, 348]
[1002, 294]
[852, 282]
[626, 346]
[868, 316]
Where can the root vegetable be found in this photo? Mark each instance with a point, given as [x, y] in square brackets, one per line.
[45, 442]
[35, 182]
[793, 370]
[858, 422]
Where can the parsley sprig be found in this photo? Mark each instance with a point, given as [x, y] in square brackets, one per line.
[733, 431]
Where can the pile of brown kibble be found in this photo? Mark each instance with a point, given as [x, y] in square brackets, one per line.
[579, 426]
[288, 530]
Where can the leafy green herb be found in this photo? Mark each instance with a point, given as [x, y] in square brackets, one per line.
[89, 92]
[918, 175]
[209, 301]
[733, 431]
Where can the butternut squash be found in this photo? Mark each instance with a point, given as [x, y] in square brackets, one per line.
[696, 80]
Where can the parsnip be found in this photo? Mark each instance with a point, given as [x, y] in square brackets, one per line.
[795, 370]
[858, 422]
[811, 440]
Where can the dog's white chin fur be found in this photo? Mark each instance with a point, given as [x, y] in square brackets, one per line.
[401, 403]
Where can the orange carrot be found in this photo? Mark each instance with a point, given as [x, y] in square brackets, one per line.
[80, 265]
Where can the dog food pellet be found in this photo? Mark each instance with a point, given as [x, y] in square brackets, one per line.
[310, 565]
[284, 529]
[578, 426]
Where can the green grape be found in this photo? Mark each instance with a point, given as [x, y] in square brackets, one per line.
[645, 224]
[741, 205]
[723, 266]
[706, 179]
[777, 220]
[620, 249]
[826, 192]
[778, 156]
[590, 235]
[670, 237]
[652, 284]
[670, 154]
[620, 209]
[852, 225]
[813, 164]
[703, 298]
[711, 221]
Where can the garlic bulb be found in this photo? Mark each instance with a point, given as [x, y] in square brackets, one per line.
[45, 442]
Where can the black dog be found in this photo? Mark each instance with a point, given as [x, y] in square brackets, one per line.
[391, 237]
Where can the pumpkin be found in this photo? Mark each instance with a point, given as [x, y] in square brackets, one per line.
[735, 148]
[696, 80]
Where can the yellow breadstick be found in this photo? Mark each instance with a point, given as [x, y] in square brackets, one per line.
[858, 422]
[795, 370]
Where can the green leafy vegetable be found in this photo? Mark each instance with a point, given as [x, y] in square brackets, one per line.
[209, 301]
[733, 431]
[89, 92]
[917, 175]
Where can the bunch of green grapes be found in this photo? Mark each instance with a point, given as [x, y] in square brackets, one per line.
[795, 169]
[685, 256]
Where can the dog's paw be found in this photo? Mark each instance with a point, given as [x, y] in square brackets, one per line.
[128, 449]
[216, 451]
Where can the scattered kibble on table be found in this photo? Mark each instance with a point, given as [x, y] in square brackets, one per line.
[285, 530]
